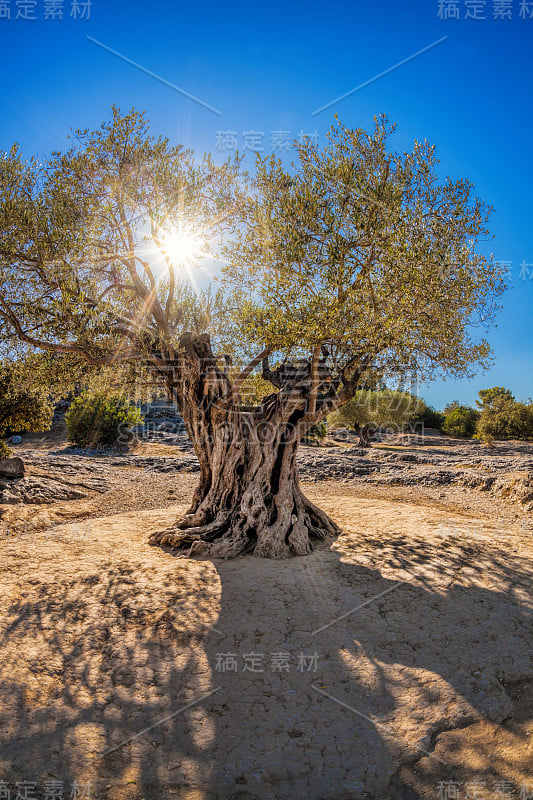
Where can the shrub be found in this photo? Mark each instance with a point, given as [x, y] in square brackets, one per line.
[505, 418]
[460, 421]
[22, 408]
[101, 419]
[429, 417]
[315, 434]
[5, 452]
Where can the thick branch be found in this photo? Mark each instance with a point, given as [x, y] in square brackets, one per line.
[330, 404]
[346, 393]
[170, 267]
[150, 297]
[61, 347]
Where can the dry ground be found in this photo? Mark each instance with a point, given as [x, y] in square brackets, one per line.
[395, 662]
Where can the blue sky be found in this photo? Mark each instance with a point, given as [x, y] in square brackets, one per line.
[267, 67]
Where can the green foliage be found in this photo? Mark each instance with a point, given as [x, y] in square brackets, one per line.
[67, 282]
[460, 421]
[101, 419]
[364, 248]
[503, 417]
[254, 389]
[356, 250]
[23, 407]
[5, 452]
[315, 433]
[65, 374]
[488, 396]
[386, 409]
[429, 417]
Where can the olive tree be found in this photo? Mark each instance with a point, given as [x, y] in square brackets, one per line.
[354, 258]
[370, 410]
[502, 416]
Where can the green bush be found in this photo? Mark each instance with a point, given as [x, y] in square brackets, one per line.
[429, 417]
[315, 434]
[502, 417]
[101, 419]
[22, 407]
[460, 421]
[5, 452]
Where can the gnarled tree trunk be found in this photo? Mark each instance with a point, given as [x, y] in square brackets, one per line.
[248, 499]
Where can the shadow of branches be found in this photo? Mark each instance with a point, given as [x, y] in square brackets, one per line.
[96, 663]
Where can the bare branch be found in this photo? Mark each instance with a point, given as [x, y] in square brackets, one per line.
[170, 267]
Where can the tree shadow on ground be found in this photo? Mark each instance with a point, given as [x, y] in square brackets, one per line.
[324, 701]
[429, 653]
[91, 661]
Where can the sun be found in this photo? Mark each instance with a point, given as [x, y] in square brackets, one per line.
[182, 246]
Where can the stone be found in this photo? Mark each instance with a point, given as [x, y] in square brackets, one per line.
[8, 497]
[12, 468]
[15, 440]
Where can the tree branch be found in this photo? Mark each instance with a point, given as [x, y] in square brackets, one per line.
[346, 393]
[170, 267]
[315, 381]
[150, 297]
[239, 380]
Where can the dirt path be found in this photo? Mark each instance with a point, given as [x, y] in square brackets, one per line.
[393, 659]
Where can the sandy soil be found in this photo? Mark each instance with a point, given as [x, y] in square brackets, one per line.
[395, 662]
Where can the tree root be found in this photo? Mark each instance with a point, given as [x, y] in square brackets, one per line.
[247, 530]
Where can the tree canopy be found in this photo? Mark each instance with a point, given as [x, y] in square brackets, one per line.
[503, 417]
[488, 397]
[355, 263]
[365, 249]
[355, 248]
[86, 234]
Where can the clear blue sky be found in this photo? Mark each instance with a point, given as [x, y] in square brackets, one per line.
[266, 67]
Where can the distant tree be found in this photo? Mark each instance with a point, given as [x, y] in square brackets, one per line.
[488, 396]
[460, 421]
[503, 417]
[22, 408]
[368, 411]
[253, 389]
[357, 257]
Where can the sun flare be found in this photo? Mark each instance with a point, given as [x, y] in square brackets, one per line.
[182, 246]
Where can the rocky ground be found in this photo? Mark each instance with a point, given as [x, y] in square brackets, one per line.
[395, 662]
